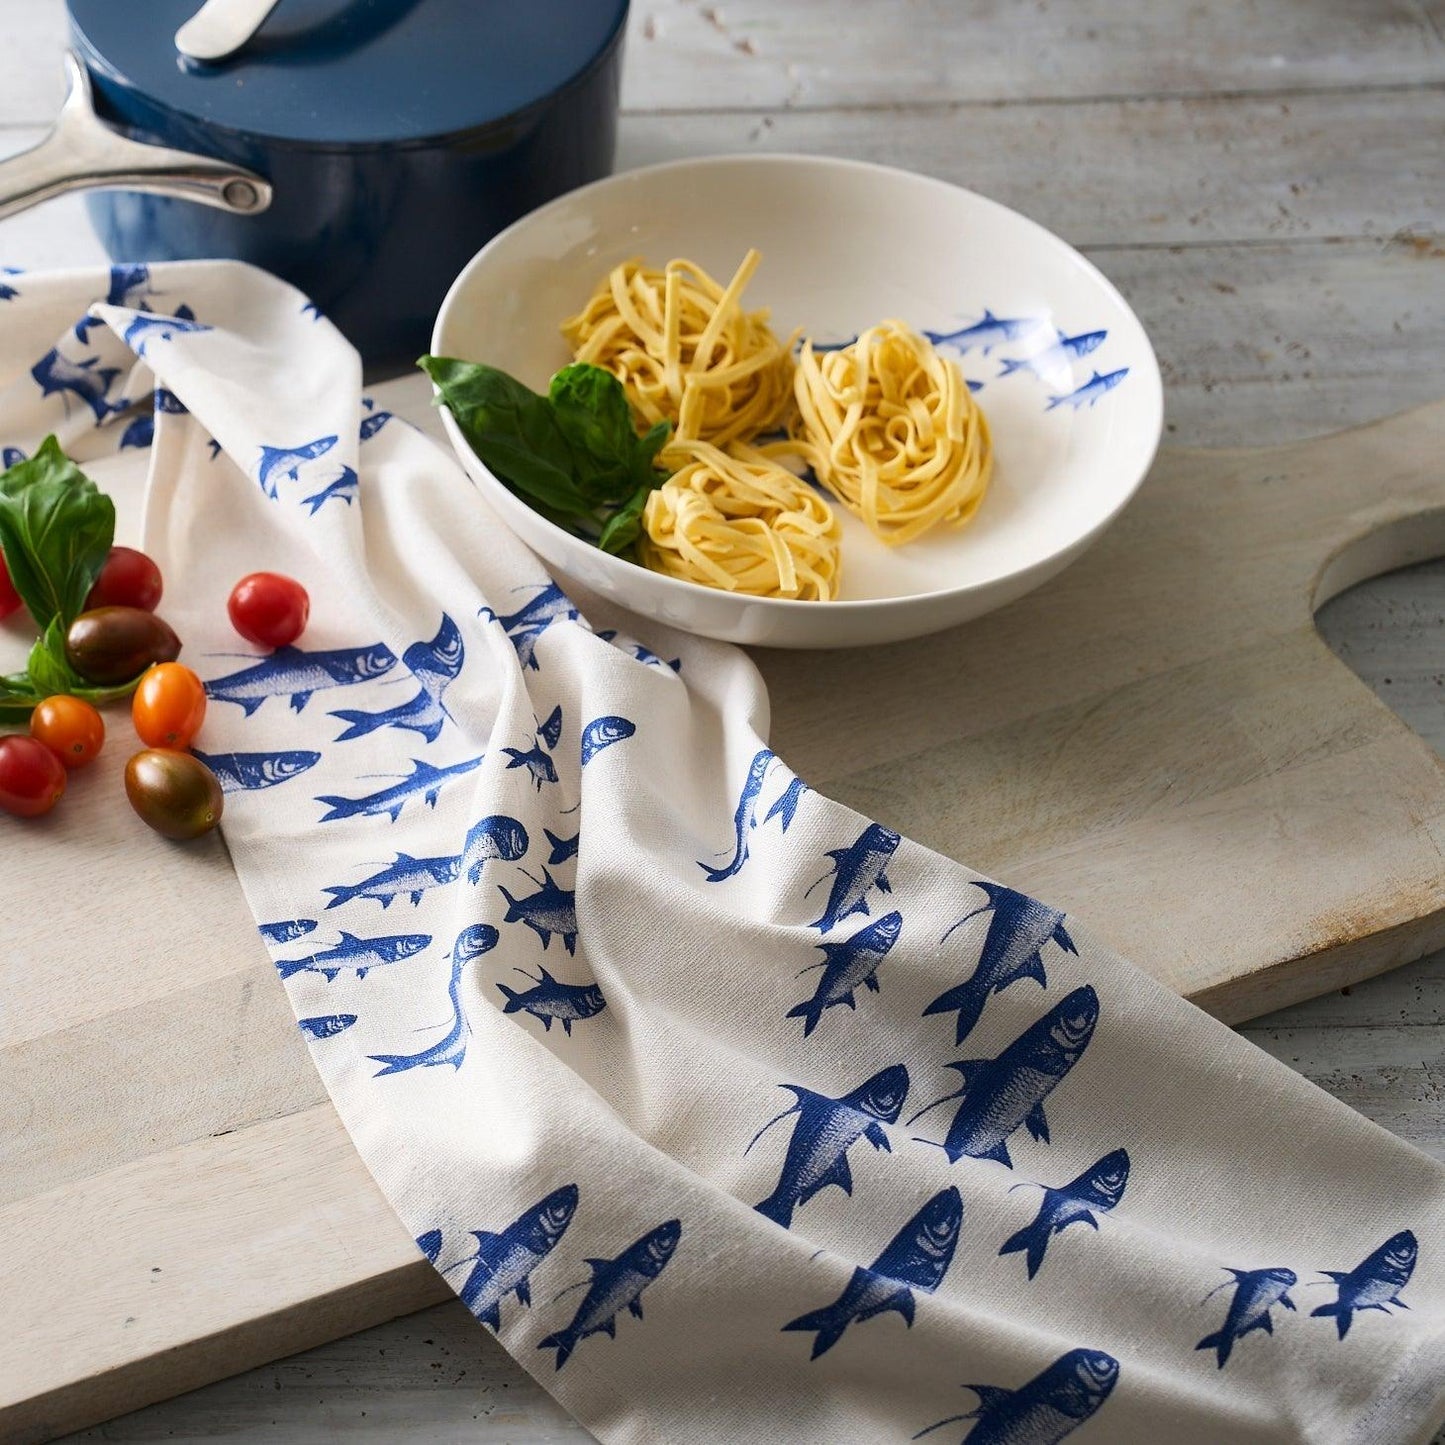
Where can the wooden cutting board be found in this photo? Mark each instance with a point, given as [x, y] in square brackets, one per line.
[1157, 741]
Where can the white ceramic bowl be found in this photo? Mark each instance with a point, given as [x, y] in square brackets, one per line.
[845, 245]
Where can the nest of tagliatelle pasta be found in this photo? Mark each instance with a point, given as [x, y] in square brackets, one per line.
[886, 426]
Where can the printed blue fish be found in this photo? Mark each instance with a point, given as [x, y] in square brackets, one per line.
[504, 1262]
[744, 817]
[290, 671]
[856, 869]
[311, 309]
[435, 665]
[129, 286]
[987, 332]
[1099, 1188]
[639, 650]
[847, 965]
[139, 433]
[1087, 394]
[1375, 1283]
[11, 457]
[1256, 1292]
[288, 930]
[1061, 354]
[1042, 1412]
[343, 489]
[372, 424]
[601, 733]
[168, 401]
[536, 761]
[88, 380]
[360, 955]
[247, 772]
[9, 292]
[1018, 929]
[425, 781]
[430, 1244]
[327, 1026]
[406, 875]
[785, 806]
[140, 332]
[565, 1002]
[826, 1129]
[1003, 1093]
[472, 942]
[547, 911]
[278, 462]
[562, 848]
[550, 731]
[916, 1258]
[528, 623]
[615, 1285]
[496, 836]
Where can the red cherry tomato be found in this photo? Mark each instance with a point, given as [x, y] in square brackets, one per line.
[168, 706]
[127, 579]
[70, 728]
[269, 609]
[31, 777]
[9, 597]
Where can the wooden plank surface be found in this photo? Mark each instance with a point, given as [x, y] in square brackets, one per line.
[1305, 293]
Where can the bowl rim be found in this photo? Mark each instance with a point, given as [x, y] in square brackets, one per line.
[696, 591]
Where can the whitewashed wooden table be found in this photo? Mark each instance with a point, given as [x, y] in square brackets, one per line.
[1263, 179]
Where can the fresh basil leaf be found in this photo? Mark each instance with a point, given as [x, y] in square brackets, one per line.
[593, 414]
[625, 525]
[50, 671]
[653, 442]
[56, 528]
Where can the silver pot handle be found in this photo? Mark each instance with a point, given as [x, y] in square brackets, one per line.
[83, 153]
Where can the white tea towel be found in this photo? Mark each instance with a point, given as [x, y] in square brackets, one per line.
[740, 1118]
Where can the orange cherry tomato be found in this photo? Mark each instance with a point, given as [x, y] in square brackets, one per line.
[169, 706]
[70, 728]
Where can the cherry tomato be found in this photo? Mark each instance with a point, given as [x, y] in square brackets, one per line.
[112, 645]
[70, 728]
[9, 597]
[173, 792]
[31, 777]
[269, 609]
[127, 579]
[168, 706]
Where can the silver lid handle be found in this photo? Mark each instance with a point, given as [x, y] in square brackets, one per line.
[221, 27]
[83, 153]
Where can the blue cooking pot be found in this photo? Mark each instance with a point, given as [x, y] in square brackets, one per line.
[362, 149]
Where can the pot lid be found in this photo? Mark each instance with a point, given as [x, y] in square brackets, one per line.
[355, 72]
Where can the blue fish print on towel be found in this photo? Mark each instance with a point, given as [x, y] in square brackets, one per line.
[848, 965]
[278, 462]
[88, 380]
[496, 836]
[359, 955]
[139, 433]
[472, 942]
[1061, 354]
[248, 772]
[372, 424]
[917, 1257]
[615, 1285]
[168, 401]
[601, 733]
[343, 489]
[140, 332]
[785, 806]
[744, 817]
[639, 650]
[1052, 1405]
[1003, 1093]
[566, 1002]
[405, 876]
[1087, 394]
[11, 457]
[826, 1129]
[547, 911]
[536, 761]
[294, 673]
[430, 1244]
[856, 869]
[504, 1262]
[1256, 1292]
[1018, 929]
[288, 931]
[562, 848]
[327, 1026]
[528, 623]
[435, 665]
[7, 291]
[129, 287]
[988, 332]
[1375, 1283]
[1099, 1188]
[424, 781]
